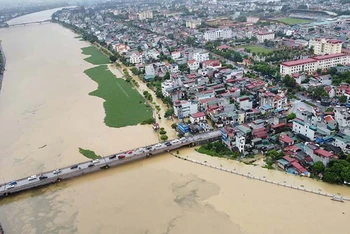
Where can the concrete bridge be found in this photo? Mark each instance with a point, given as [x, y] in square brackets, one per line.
[29, 23]
[86, 167]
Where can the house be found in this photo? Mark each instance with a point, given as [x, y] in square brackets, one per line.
[150, 72]
[262, 36]
[175, 55]
[342, 116]
[244, 102]
[197, 117]
[136, 57]
[342, 141]
[285, 140]
[211, 64]
[174, 68]
[200, 56]
[193, 65]
[305, 129]
[183, 108]
[122, 48]
[318, 154]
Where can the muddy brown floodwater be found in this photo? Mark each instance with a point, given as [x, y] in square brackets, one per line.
[45, 102]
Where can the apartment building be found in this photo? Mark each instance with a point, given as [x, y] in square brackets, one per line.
[305, 129]
[200, 56]
[183, 108]
[252, 19]
[324, 46]
[193, 23]
[312, 64]
[218, 34]
[145, 15]
[262, 36]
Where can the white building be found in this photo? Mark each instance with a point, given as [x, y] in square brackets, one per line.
[193, 65]
[240, 142]
[326, 46]
[342, 116]
[262, 36]
[276, 101]
[145, 15]
[305, 129]
[174, 68]
[193, 23]
[175, 55]
[197, 117]
[183, 109]
[218, 34]
[252, 19]
[343, 143]
[200, 56]
[136, 57]
[122, 48]
[312, 64]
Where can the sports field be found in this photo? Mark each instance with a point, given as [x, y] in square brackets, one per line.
[123, 105]
[96, 56]
[291, 21]
[258, 49]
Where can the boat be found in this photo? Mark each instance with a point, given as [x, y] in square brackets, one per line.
[338, 198]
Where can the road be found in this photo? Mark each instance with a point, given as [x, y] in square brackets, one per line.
[106, 162]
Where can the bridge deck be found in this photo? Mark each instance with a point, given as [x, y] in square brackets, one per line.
[105, 162]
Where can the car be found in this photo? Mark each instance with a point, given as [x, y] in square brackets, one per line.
[95, 161]
[74, 167]
[13, 182]
[158, 145]
[148, 147]
[167, 144]
[175, 141]
[121, 156]
[42, 177]
[33, 177]
[114, 156]
[130, 152]
[57, 171]
[10, 186]
[91, 165]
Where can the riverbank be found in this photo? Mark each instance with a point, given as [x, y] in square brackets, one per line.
[2, 65]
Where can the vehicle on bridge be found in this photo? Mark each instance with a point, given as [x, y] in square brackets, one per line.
[113, 156]
[121, 156]
[42, 177]
[33, 177]
[57, 171]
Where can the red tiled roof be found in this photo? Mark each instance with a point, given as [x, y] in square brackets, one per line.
[289, 159]
[198, 115]
[286, 139]
[298, 167]
[328, 118]
[323, 153]
[322, 57]
[298, 62]
[278, 125]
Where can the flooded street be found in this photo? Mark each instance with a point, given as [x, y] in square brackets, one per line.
[46, 114]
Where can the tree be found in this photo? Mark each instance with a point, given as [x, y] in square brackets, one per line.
[289, 82]
[318, 167]
[169, 113]
[164, 137]
[291, 116]
[319, 92]
[345, 174]
[113, 58]
[343, 99]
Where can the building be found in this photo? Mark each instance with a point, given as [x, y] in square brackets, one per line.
[276, 101]
[175, 55]
[193, 23]
[218, 34]
[303, 128]
[145, 15]
[252, 19]
[262, 36]
[342, 116]
[318, 154]
[136, 57]
[193, 65]
[240, 143]
[122, 48]
[197, 117]
[211, 64]
[312, 64]
[183, 108]
[200, 56]
[323, 46]
[343, 142]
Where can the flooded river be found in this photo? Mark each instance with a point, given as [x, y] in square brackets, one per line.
[46, 114]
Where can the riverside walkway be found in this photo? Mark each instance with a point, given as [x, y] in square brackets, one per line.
[264, 179]
[86, 167]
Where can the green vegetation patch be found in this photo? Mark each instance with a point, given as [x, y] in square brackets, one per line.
[258, 49]
[123, 105]
[89, 153]
[96, 56]
[292, 21]
[217, 149]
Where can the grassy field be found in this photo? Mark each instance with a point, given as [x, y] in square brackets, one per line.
[123, 105]
[89, 153]
[258, 49]
[292, 21]
[96, 56]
